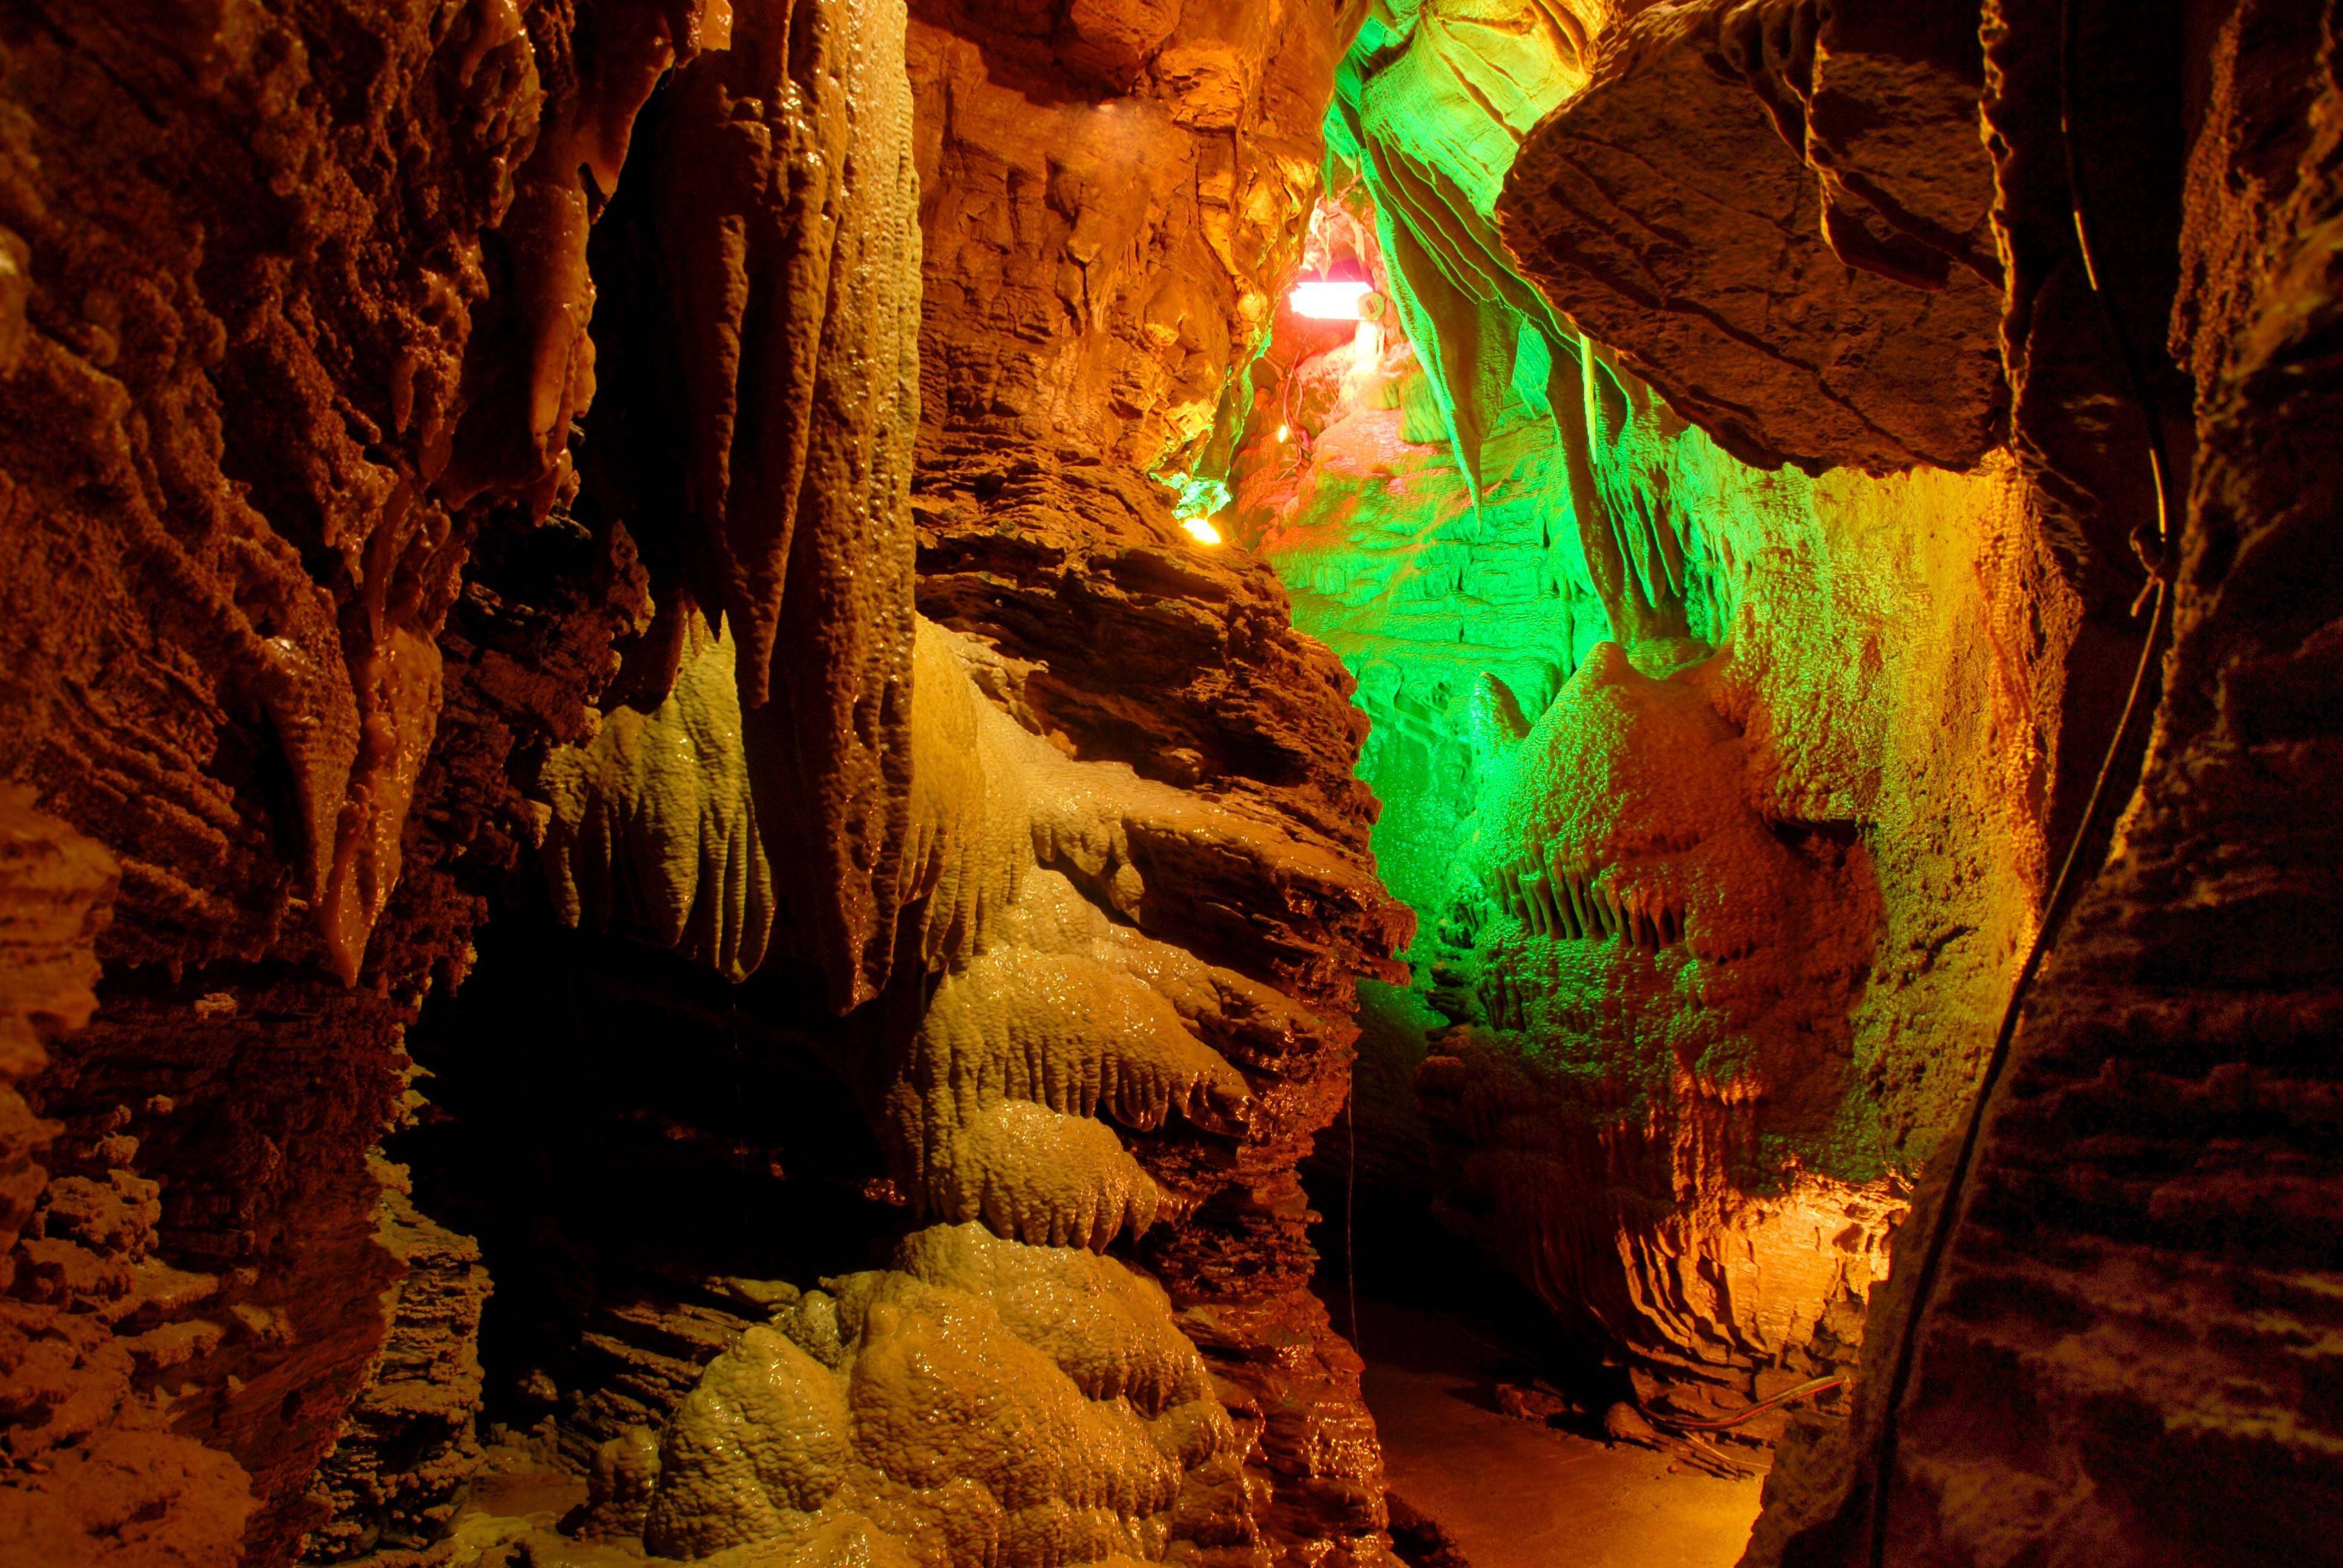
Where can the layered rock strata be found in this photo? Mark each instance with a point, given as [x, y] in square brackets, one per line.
[1187, 196]
[313, 555]
[1594, 646]
[2127, 1332]
[1684, 1142]
[293, 323]
[408, 1448]
[1048, 810]
[89, 1308]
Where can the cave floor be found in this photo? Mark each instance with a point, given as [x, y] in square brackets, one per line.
[1512, 1494]
[1507, 1492]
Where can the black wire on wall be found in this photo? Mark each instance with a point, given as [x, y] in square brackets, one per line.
[2064, 887]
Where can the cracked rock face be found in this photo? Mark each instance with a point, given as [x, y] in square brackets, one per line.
[1769, 208]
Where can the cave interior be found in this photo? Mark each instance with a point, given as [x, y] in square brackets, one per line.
[1563, 772]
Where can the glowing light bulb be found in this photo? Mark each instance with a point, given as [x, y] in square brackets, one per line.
[1202, 531]
[1283, 432]
[1329, 299]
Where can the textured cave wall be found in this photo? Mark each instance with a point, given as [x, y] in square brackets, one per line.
[89, 1301]
[1099, 268]
[1099, 265]
[303, 578]
[1756, 203]
[1799, 224]
[1891, 658]
[319, 535]
[1130, 854]
[407, 1450]
[364, 423]
[1800, 803]
[261, 262]
[2126, 1356]
[1130, 857]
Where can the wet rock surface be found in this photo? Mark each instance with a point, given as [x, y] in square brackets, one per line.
[2139, 1173]
[414, 390]
[632, 814]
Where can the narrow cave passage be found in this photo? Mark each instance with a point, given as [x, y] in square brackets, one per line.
[1490, 1415]
[1303, 784]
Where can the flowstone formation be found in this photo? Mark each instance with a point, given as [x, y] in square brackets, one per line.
[1131, 864]
[429, 426]
[1719, 792]
[978, 1402]
[1124, 255]
[1651, 930]
[1041, 1012]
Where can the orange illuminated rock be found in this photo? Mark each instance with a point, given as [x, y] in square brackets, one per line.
[1777, 214]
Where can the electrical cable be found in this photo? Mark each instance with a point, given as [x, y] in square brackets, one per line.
[1813, 1386]
[2054, 912]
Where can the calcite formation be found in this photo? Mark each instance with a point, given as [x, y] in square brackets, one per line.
[1046, 1011]
[1902, 851]
[653, 828]
[768, 342]
[1028, 875]
[1185, 197]
[980, 1400]
[691, 494]
[1657, 933]
[1594, 646]
[315, 558]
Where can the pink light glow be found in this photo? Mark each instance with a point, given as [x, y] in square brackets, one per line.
[1328, 300]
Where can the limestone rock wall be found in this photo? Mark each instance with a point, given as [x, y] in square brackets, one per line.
[1885, 670]
[2121, 1343]
[1180, 188]
[89, 1304]
[293, 332]
[1111, 196]
[399, 396]
[408, 1448]
[1721, 793]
